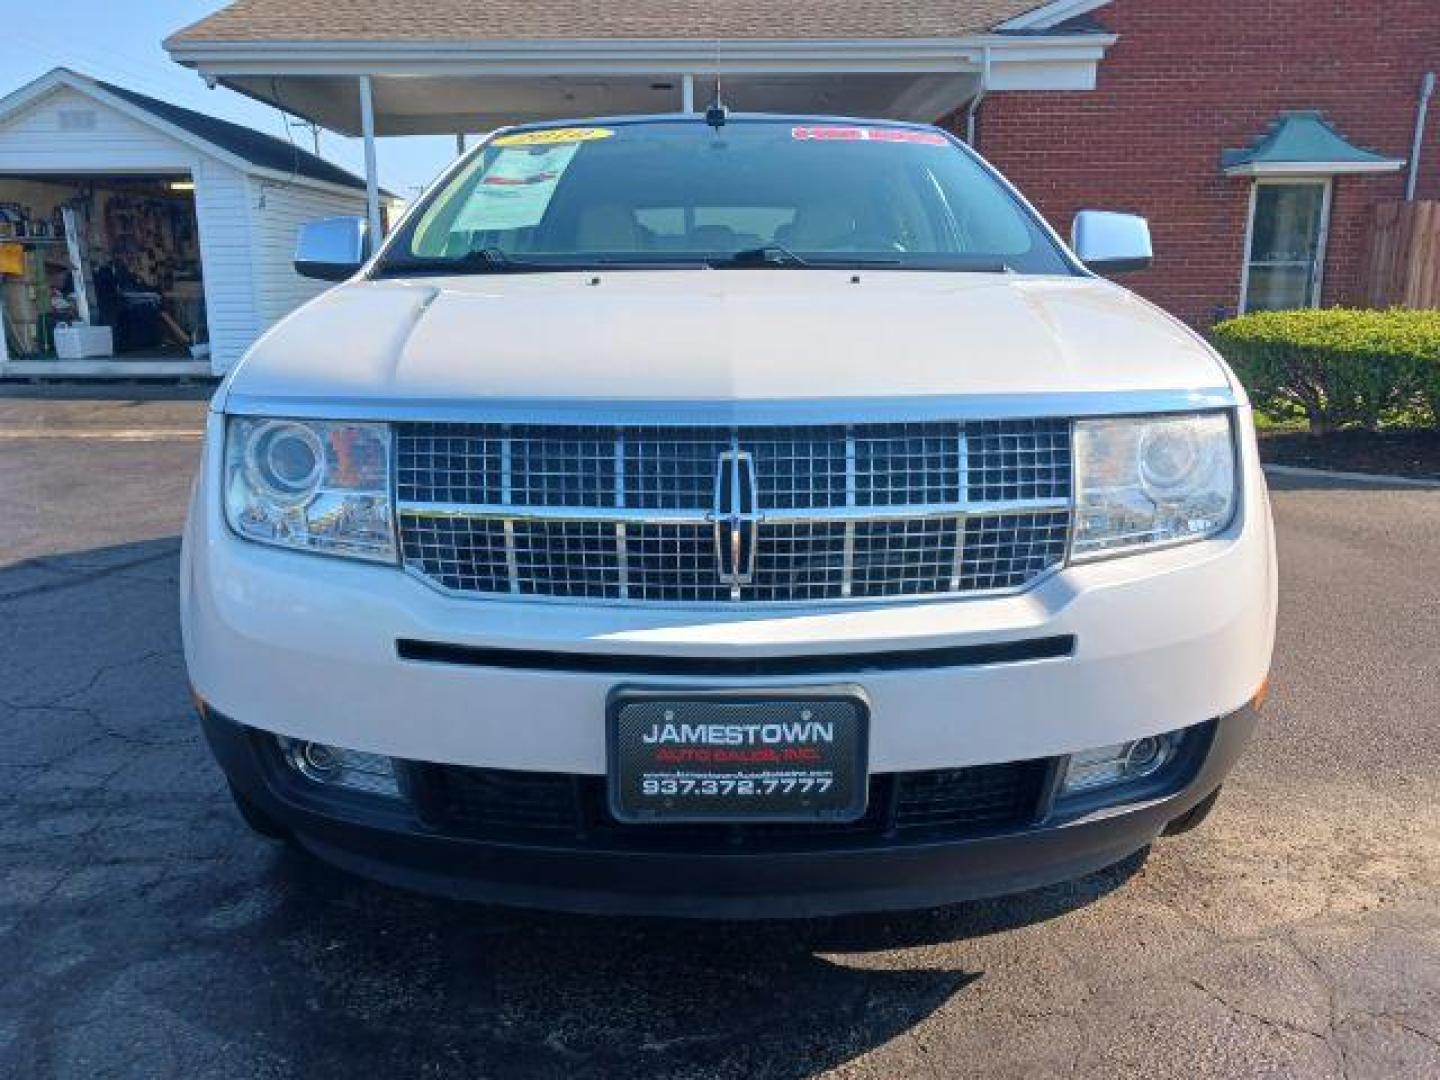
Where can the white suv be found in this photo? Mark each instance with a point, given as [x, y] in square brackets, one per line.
[727, 516]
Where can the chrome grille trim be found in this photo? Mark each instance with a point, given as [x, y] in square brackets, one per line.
[847, 571]
[957, 570]
[626, 515]
[830, 513]
[622, 549]
[626, 412]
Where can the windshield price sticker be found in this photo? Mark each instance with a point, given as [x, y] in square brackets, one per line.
[863, 134]
[516, 189]
[552, 136]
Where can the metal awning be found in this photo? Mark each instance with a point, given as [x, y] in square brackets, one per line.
[442, 88]
[1304, 143]
[402, 67]
[427, 104]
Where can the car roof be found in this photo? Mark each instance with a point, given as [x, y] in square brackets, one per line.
[818, 119]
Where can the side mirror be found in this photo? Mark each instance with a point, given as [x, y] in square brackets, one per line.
[333, 249]
[1111, 243]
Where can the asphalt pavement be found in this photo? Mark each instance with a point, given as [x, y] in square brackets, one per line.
[144, 932]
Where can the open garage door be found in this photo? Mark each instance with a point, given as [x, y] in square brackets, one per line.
[100, 270]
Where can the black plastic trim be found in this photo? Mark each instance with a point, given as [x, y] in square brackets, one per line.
[1178, 772]
[1108, 267]
[883, 874]
[326, 271]
[748, 667]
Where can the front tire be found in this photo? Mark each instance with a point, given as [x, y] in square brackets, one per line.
[259, 821]
[1195, 816]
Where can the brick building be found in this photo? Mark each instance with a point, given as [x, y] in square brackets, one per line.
[1256, 135]
[1183, 83]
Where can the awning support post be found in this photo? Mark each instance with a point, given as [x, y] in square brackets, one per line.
[372, 181]
[687, 93]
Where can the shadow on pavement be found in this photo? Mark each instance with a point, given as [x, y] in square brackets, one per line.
[149, 933]
[130, 391]
[51, 573]
[1278, 481]
[334, 973]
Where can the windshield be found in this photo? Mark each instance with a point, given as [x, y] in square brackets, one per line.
[753, 192]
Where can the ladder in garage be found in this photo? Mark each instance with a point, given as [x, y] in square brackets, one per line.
[78, 250]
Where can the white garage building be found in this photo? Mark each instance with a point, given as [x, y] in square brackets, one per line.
[181, 228]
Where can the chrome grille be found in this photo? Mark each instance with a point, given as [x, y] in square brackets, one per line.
[1012, 460]
[912, 557]
[804, 560]
[461, 554]
[907, 464]
[836, 512]
[671, 562]
[1004, 551]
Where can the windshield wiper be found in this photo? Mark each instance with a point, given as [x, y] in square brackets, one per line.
[490, 256]
[767, 254]
[981, 268]
[492, 260]
[486, 260]
[779, 255]
[500, 262]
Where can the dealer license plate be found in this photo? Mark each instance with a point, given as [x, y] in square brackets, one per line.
[772, 755]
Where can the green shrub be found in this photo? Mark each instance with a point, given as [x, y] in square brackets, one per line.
[1337, 366]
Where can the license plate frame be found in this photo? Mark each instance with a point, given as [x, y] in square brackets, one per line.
[634, 712]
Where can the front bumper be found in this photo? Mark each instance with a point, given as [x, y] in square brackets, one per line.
[367, 657]
[608, 871]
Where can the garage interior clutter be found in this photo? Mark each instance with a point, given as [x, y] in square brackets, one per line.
[101, 266]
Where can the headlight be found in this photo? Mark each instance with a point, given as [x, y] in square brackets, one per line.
[310, 484]
[1144, 481]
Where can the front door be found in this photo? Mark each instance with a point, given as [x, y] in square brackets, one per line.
[1286, 249]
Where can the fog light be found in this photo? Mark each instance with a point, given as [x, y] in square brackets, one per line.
[338, 767]
[1119, 763]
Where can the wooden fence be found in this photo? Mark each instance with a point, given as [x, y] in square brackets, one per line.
[1402, 268]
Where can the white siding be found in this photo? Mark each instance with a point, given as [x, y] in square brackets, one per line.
[33, 140]
[276, 214]
[228, 262]
[247, 225]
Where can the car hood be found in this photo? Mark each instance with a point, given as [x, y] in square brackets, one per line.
[722, 337]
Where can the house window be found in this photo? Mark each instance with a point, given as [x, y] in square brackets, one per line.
[1285, 244]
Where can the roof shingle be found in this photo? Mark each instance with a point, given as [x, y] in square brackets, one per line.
[569, 20]
[266, 151]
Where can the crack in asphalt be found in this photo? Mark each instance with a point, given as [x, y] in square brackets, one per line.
[75, 578]
[1404, 1025]
[1249, 1014]
[59, 700]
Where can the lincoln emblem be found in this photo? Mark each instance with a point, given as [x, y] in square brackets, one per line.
[736, 517]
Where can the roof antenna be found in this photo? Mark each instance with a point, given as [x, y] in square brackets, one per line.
[716, 113]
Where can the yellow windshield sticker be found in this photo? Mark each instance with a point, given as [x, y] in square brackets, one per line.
[551, 136]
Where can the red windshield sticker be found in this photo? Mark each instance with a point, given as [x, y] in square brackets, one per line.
[828, 134]
[925, 138]
[860, 134]
[520, 181]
